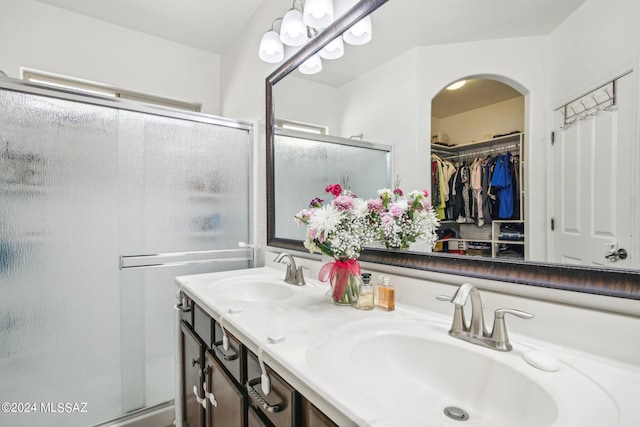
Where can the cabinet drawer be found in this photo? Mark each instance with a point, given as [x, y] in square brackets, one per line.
[202, 325]
[231, 359]
[279, 406]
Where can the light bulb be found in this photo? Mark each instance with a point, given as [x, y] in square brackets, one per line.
[360, 33]
[293, 32]
[312, 65]
[318, 13]
[271, 48]
[333, 50]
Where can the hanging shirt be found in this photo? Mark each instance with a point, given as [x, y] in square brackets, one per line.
[501, 180]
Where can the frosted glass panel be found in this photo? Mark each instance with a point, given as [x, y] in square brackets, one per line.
[81, 185]
[60, 305]
[184, 187]
[304, 167]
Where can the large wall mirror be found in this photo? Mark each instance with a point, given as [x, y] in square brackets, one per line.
[393, 101]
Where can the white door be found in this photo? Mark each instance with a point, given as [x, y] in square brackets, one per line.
[592, 183]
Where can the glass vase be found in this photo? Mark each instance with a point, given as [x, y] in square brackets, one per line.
[344, 278]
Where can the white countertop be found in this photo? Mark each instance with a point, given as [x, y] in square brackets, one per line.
[309, 317]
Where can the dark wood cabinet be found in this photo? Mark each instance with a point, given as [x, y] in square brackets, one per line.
[222, 386]
[280, 405]
[313, 417]
[192, 365]
[226, 407]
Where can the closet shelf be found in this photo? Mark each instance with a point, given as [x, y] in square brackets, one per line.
[487, 143]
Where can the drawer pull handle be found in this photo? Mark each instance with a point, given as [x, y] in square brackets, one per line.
[228, 357]
[278, 407]
[195, 362]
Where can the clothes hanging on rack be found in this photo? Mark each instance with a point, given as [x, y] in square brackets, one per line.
[441, 172]
[476, 189]
[503, 179]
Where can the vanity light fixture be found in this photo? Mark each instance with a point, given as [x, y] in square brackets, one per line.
[293, 31]
[359, 33]
[318, 13]
[333, 50]
[302, 22]
[456, 85]
[313, 65]
[271, 48]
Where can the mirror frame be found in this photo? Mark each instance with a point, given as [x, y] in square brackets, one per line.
[592, 280]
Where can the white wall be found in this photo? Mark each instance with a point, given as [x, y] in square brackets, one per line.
[595, 44]
[382, 105]
[482, 123]
[46, 38]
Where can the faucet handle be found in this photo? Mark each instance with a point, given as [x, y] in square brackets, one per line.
[499, 333]
[300, 275]
[502, 311]
[459, 323]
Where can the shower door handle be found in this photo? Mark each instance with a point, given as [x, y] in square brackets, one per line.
[176, 259]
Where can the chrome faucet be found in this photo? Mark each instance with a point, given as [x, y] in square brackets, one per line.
[475, 332]
[294, 274]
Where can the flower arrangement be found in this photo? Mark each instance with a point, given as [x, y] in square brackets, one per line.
[405, 220]
[342, 227]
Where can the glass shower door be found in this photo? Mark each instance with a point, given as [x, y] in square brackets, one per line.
[60, 304]
[184, 188]
[83, 341]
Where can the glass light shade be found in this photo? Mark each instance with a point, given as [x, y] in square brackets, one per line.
[318, 13]
[359, 33]
[333, 50]
[271, 48]
[293, 32]
[312, 65]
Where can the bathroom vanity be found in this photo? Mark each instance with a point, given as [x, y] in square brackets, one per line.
[245, 333]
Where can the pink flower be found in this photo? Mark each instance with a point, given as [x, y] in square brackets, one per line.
[375, 205]
[426, 193]
[335, 189]
[398, 192]
[303, 216]
[343, 203]
[316, 203]
[396, 211]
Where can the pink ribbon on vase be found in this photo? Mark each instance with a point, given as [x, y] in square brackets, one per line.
[330, 270]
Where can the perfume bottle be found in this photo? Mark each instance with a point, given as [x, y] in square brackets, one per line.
[365, 293]
[386, 295]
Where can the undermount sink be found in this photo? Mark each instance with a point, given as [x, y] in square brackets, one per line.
[416, 365]
[252, 288]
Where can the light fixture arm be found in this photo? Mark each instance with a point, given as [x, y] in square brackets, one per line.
[293, 6]
[274, 23]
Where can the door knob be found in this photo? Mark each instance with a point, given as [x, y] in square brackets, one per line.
[619, 254]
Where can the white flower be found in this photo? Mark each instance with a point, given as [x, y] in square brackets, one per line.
[385, 192]
[325, 220]
[416, 195]
[360, 208]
